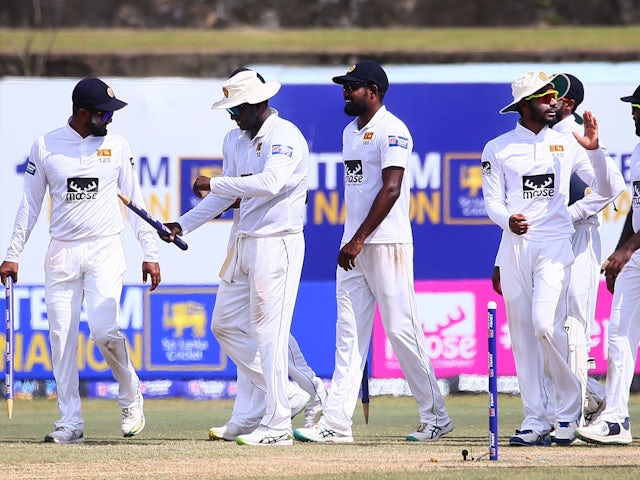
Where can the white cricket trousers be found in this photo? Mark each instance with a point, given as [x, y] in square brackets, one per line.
[88, 270]
[383, 272]
[249, 405]
[585, 274]
[264, 275]
[623, 338]
[535, 279]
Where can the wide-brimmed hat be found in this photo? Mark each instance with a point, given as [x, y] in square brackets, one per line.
[635, 98]
[246, 87]
[93, 93]
[530, 82]
[365, 71]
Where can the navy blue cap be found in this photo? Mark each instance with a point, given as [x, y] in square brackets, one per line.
[94, 93]
[576, 89]
[635, 98]
[365, 71]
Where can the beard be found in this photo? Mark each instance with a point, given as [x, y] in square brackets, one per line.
[355, 109]
[97, 130]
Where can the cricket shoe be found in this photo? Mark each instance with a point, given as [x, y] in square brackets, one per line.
[609, 433]
[565, 432]
[529, 438]
[264, 437]
[427, 432]
[320, 434]
[228, 432]
[313, 409]
[65, 435]
[133, 418]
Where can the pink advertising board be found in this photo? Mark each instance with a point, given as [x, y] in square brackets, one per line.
[454, 321]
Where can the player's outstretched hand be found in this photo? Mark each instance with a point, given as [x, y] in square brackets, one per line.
[175, 229]
[590, 139]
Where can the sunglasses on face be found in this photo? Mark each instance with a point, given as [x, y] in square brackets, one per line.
[104, 116]
[352, 86]
[635, 105]
[236, 111]
[544, 97]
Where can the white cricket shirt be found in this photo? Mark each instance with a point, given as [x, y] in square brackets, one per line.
[269, 173]
[84, 176]
[528, 173]
[384, 142]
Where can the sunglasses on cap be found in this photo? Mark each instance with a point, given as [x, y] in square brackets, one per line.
[352, 86]
[237, 110]
[544, 97]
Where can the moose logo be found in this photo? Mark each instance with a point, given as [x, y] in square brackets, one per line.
[79, 189]
[353, 172]
[538, 186]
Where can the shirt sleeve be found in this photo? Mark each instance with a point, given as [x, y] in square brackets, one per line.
[130, 186]
[35, 187]
[278, 172]
[493, 189]
[598, 170]
[209, 208]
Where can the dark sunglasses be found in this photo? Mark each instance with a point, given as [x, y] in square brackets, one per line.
[351, 86]
[104, 116]
[236, 111]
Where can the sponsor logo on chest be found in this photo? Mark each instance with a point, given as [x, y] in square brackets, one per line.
[635, 202]
[81, 189]
[353, 174]
[538, 186]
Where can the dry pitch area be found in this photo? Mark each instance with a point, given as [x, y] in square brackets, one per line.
[174, 445]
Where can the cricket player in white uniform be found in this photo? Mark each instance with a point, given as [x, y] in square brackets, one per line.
[622, 272]
[584, 206]
[308, 393]
[268, 165]
[85, 167]
[526, 175]
[375, 263]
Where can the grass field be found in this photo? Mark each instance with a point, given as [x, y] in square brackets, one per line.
[63, 41]
[174, 445]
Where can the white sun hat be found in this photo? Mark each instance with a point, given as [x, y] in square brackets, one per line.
[246, 87]
[530, 82]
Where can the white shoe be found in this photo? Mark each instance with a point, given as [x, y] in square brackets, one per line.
[565, 432]
[609, 433]
[320, 434]
[313, 410]
[133, 418]
[228, 432]
[65, 435]
[298, 401]
[264, 437]
[427, 432]
[529, 438]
